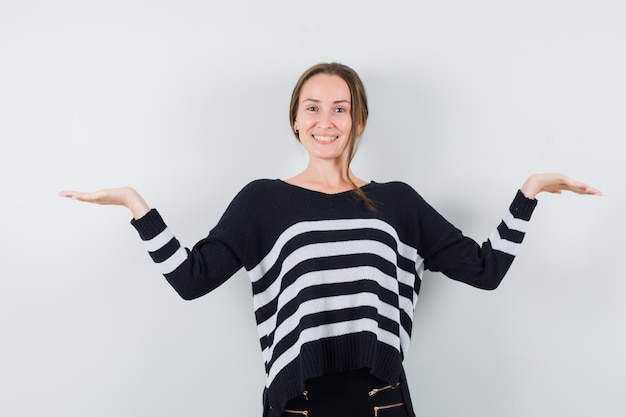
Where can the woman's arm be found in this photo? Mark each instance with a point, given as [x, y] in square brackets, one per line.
[192, 273]
[484, 266]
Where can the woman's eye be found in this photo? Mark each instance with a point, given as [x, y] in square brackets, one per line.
[340, 110]
[311, 108]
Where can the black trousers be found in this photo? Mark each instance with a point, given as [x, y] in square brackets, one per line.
[350, 394]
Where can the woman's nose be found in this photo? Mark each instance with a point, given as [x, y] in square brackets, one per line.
[325, 120]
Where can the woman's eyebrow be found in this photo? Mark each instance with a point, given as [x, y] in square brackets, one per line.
[319, 101]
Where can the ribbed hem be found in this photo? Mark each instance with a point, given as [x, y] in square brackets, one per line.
[336, 354]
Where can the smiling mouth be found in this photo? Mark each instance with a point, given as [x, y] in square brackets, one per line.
[325, 139]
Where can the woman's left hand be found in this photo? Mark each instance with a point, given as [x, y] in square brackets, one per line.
[555, 183]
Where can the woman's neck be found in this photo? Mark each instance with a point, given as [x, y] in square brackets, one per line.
[326, 179]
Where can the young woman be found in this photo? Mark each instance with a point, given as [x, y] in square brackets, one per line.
[335, 261]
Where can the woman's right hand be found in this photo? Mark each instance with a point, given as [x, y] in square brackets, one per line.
[124, 196]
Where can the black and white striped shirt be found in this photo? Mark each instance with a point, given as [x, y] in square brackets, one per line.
[334, 284]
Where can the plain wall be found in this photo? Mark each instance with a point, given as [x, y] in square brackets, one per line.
[187, 102]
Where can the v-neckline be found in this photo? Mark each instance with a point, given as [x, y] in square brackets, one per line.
[310, 190]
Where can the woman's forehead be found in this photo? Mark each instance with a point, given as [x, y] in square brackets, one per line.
[325, 87]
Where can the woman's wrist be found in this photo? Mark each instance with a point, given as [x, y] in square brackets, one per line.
[136, 204]
[530, 189]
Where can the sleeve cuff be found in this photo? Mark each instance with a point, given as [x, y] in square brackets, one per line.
[522, 207]
[149, 225]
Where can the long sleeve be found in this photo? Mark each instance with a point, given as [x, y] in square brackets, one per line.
[447, 250]
[192, 273]
[229, 246]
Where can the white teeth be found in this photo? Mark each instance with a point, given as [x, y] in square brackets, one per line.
[325, 139]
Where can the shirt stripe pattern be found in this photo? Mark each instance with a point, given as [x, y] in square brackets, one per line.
[508, 236]
[332, 293]
[370, 263]
[275, 293]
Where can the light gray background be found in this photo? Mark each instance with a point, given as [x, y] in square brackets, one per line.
[187, 101]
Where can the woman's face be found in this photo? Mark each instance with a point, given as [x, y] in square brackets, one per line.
[324, 120]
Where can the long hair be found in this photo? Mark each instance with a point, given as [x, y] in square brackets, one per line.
[359, 110]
